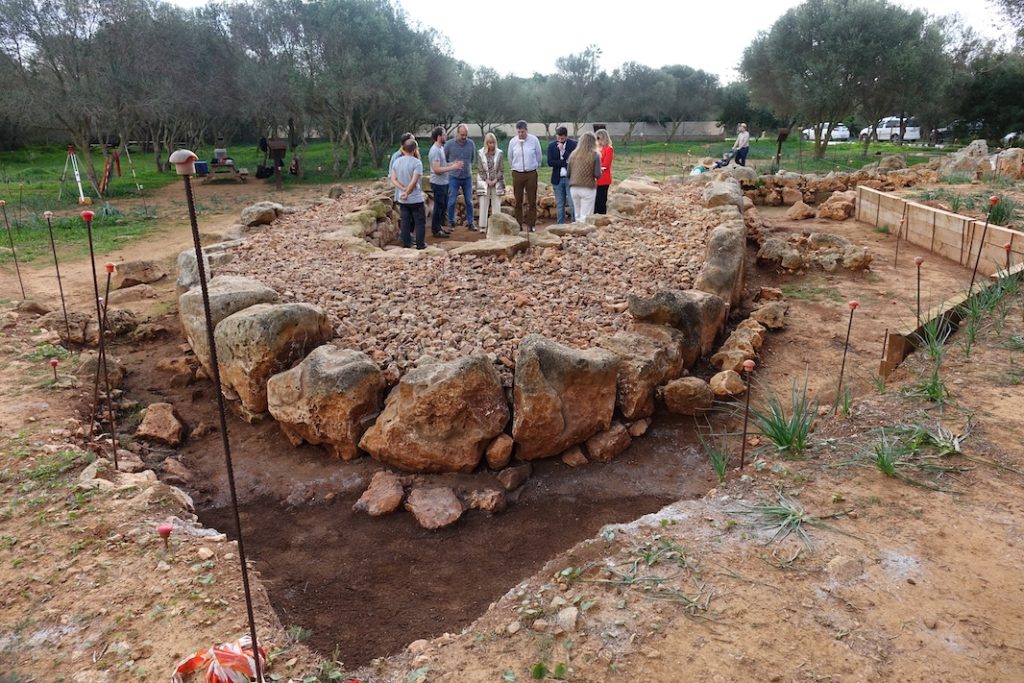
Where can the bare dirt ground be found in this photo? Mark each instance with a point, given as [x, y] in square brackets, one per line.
[897, 581]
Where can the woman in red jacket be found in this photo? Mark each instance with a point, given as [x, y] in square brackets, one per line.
[604, 147]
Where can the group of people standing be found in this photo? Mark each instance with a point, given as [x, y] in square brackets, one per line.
[581, 173]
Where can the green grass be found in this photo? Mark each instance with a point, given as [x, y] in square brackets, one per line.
[717, 450]
[788, 432]
[1005, 212]
[809, 292]
[49, 468]
[32, 240]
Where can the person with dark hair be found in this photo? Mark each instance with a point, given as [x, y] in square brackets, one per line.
[439, 168]
[461, 149]
[559, 150]
[398, 152]
[524, 156]
[584, 170]
[405, 176]
[607, 153]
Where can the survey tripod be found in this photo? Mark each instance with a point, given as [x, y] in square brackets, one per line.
[72, 161]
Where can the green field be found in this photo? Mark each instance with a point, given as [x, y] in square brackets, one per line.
[30, 182]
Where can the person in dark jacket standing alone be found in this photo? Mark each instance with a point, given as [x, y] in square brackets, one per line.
[558, 159]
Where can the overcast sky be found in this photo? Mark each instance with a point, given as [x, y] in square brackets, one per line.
[526, 36]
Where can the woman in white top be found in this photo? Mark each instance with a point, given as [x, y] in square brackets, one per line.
[490, 178]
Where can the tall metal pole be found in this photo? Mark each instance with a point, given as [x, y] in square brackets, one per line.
[87, 216]
[48, 215]
[992, 201]
[14, 254]
[846, 347]
[918, 260]
[184, 162]
[748, 367]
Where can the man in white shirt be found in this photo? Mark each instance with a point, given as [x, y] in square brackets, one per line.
[524, 157]
[742, 145]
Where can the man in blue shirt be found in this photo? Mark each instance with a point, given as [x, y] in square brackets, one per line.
[461, 148]
[558, 159]
[524, 157]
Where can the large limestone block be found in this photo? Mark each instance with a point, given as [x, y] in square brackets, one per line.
[440, 418]
[228, 294]
[131, 273]
[330, 398]
[561, 396]
[643, 365]
[214, 256]
[800, 212]
[572, 229]
[688, 396]
[972, 160]
[699, 315]
[500, 225]
[636, 186]
[723, 271]
[505, 246]
[1010, 163]
[623, 204]
[260, 341]
[680, 351]
[723, 193]
[260, 213]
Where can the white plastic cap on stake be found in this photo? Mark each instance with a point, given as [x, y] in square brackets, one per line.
[184, 161]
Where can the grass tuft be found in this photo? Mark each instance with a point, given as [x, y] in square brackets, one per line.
[789, 432]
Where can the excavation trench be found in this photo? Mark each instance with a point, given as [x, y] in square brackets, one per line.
[366, 587]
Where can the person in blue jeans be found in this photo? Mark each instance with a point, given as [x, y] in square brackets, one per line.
[558, 159]
[460, 148]
[405, 176]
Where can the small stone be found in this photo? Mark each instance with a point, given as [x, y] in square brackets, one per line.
[640, 427]
[727, 383]
[384, 495]
[844, 569]
[161, 424]
[163, 566]
[512, 478]
[566, 618]
[499, 452]
[417, 646]
[488, 500]
[204, 553]
[513, 628]
[605, 446]
[540, 625]
[931, 623]
[574, 457]
[772, 315]
[434, 508]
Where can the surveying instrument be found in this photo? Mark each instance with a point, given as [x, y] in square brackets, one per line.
[72, 160]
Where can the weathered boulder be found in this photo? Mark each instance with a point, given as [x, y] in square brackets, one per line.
[487, 500]
[131, 273]
[330, 398]
[856, 258]
[972, 161]
[623, 204]
[86, 369]
[499, 452]
[699, 315]
[836, 210]
[561, 396]
[772, 314]
[643, 365]
[160, 423]
[800, 212]
[30, 307]
[505, 246]
[688, 396]
[335, 191]
[727, 383]
[384, 495]
[440, 417]
[130, 294]
[745, 175]
[681, 351]
[214, 256]
[571, 229]
[723, 271]
[545, 239]
[893, 162]
[228, 294]
[500, 225]
[791, 196]
[637, 186]
[779, 252]
[260, 213]
[723, 193]
[81, 328]
[262, 340]
[1010, 163]
[574, 457]
[731, 359]
[604, 446]
[434, 508]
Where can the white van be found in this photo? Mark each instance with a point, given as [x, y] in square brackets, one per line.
[889, 130]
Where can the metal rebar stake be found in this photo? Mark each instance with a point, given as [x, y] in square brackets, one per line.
[748, 367]
[846, 346]
[60, 286]
[87, 216]
[184, 160]
[992, 201]
[14, 253]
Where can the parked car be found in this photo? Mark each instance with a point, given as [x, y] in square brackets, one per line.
[889, 130]
[958, 130]
[839, 133]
